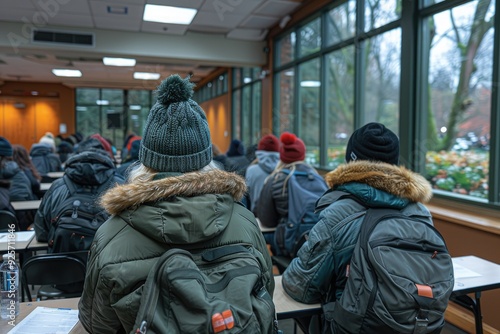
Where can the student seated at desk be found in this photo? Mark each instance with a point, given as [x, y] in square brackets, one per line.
[20, 185]
[372, 175]
[176, 197]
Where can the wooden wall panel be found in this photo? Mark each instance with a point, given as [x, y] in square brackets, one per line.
[19, 123]
[47, 117]
[218, 113]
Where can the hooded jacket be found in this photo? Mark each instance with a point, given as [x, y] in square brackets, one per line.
[318, 273]
[192, 211]
[86, 169]
[44, 159]
[256, 174]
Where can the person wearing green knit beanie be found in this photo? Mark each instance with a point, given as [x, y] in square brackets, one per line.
[175, 196]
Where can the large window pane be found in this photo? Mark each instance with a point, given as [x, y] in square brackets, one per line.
[339, 103]
[382, 75]
[256, 114]
[88, 120]
[87, 96]
[286, 49]
[236, 113]
[460, 74]
[310, 38]
[285, 114]
[246, 100]
[381, 12]
[112, 96]
[341, 23]
[309, 91]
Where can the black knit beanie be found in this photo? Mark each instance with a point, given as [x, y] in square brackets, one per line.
[176, 136]
[5, 148]
[375, 142]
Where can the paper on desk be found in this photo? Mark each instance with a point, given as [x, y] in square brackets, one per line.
[462, 272]
[47, 320]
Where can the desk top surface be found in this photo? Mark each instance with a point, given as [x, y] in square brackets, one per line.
[26, 205]
[55, 175]
[473, 274]
[16, 240]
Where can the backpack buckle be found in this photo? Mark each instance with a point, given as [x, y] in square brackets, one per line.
[420, 325]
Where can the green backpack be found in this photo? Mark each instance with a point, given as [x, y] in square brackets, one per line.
[214, 290]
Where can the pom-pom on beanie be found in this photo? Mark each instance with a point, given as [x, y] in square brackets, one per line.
[292, 148]
[375, 142]
[269, 143]
[5, 148]
[176, 137]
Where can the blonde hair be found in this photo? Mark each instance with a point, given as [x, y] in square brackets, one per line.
[141, 174]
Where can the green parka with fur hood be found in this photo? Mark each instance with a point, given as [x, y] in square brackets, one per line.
[318, 273]
[193, 210]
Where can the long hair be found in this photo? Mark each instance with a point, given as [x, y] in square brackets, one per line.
[21, 156]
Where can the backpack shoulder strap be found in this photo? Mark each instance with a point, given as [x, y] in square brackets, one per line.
[71, 186]
[372, 217]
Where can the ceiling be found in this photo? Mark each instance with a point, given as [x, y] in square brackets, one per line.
[223, 33]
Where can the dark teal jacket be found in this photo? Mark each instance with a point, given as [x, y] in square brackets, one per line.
[318, 274]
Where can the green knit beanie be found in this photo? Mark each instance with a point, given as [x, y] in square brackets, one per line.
[176, 136]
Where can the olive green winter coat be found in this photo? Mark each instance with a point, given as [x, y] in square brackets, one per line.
[190, 211]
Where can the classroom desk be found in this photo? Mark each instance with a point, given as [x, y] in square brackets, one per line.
[26, 205]
[28, 307]
[45, 186]
[18, 244]
[286, 308]
[55, 175]
[474, 275]
[36, 245]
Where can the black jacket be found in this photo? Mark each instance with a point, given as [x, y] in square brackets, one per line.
[86, 169]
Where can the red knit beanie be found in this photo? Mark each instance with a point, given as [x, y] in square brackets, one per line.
[269, 143]
[292, 148]
[104, 143]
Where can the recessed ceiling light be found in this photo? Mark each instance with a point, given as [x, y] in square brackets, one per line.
[310, 84]
[146, 76]
[169, 14]
[102, 102]
[110, 61]
[67, 73]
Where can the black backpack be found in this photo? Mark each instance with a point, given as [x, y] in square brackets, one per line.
[400, 278]
[207, 291]
[79, 216]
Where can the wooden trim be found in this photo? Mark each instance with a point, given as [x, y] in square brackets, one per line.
[461, 318]
[475, 221]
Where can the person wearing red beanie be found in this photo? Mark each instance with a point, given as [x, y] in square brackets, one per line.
[267, 155]
[273, 207]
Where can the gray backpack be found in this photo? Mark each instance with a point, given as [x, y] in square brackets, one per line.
[215, 290]
[399, 279]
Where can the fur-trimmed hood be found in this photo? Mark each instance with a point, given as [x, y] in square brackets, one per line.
[132, 195]
[396, 180]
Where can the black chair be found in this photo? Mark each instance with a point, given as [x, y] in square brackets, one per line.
[281, 262]
[61, 275]
[7, 218]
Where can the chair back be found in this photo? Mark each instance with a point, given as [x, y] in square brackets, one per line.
[7, 218]
[55, 269]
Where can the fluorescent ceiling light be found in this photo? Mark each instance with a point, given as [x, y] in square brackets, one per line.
[110, 61]
[102, 102]
[67, 73]
[135, 107]
[168, 14]
[310, 84]
[146, 76]
[247, 79]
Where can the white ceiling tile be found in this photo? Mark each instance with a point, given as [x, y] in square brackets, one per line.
[55, 8]
[17, 14]
[234, 7]
[164, 28]
[257, 22]
[277, 8]
[72, 20]
[124, 24]
[211, 19]
[133, 12]
[177, 3]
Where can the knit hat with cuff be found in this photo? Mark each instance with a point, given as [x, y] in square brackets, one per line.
[269, 143]
[292, 148]
[375, 142]
[176, 136]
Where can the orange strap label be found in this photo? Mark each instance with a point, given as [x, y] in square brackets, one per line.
[424, 290]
